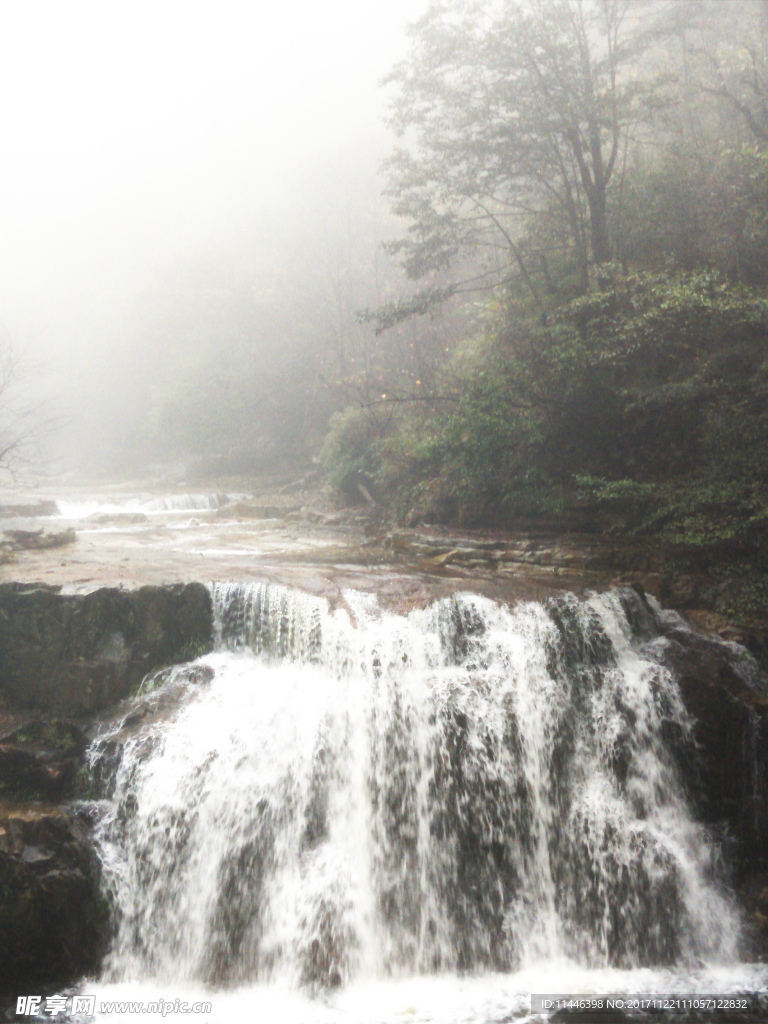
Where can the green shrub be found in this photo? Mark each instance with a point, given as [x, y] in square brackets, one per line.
[351, 452]
[646, 398]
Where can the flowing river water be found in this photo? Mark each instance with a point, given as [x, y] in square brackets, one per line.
[354, 816]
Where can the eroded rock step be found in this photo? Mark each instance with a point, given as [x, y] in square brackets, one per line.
[74, 654]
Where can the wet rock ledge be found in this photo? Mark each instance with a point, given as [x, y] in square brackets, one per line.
[54, 921]
[76, 654]
[64, 658]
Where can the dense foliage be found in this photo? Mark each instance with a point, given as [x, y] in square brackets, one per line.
[613, 372]
[653, 388]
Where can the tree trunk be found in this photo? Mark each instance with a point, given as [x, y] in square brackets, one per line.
[598, 223]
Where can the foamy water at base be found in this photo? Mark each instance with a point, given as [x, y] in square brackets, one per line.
[445, 999]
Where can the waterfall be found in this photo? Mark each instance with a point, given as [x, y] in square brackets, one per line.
[188, 502]
[348, 794]
[81, 509]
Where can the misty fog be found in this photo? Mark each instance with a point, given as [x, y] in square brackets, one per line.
[160, 152]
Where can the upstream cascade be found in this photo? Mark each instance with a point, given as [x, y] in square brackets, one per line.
[337, 795]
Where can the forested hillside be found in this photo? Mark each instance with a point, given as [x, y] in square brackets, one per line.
[585, 189]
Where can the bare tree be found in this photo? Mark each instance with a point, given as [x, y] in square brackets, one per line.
[25, 418]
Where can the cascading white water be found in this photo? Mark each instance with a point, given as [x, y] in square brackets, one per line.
[465, 788]
[81, 509]
[188, 502]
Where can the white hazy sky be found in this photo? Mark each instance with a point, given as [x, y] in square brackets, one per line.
[137, 132]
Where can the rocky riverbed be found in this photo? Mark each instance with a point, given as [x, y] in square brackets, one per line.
[290, 530]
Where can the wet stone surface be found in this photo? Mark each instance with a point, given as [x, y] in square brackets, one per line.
[54, 922]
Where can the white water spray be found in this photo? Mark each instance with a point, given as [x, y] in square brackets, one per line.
[465, 788]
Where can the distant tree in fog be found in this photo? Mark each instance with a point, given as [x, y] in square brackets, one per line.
[241, 357]
[25, 420]
[728, 54]
[516, 117]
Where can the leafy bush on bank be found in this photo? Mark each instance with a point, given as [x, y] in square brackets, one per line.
[644, 399]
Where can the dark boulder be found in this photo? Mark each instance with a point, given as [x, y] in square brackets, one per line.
[726, 767]
[722, 691]
[54, 921]
[30, 511]
[38, 540]
[74, 654]
[40, 759]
